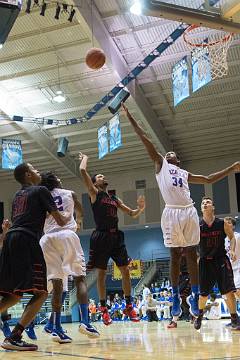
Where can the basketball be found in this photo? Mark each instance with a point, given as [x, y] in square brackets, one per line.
[95, 58]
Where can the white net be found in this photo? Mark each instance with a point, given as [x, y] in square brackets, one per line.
[209, 50]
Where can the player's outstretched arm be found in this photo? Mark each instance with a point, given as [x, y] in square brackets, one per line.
[78, 211]
[210, 179]
[133, 212]
[92, 190]
[152, 151]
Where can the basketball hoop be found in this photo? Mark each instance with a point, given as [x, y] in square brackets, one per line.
[211, 51]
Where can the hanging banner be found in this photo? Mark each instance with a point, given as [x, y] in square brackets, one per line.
[115, 133]
[135, 268]
[201, 68]
[102, 141]
[11, 153]
[180, 81]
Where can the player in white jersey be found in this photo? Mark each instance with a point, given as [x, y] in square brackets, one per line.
[64, 256]
[235, 262]
[180, 223]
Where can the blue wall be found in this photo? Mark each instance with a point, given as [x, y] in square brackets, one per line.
[141, 244]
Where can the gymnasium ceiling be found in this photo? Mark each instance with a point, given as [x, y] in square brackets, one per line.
[42, 52]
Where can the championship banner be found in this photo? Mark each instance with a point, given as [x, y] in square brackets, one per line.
[180, 81]
[201, 68]
[102, 141]
[135, 268]
[115, 133]
[11, 153]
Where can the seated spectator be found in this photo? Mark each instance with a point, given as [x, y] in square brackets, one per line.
[92, 310]
[151, 308]
[163, 310]
[152, 289]
[145, 292]
[157, 287]
[212, 310]
[165, 284]
[116, 310]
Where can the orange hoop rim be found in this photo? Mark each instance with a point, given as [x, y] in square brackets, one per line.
[225, 39]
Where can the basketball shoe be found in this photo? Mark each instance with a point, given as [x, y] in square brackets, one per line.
[105, 316]
[89, 330]
[59, 336]
[198, 322]
[31, 332]
[16, 343]
[4, 326]
[172, 325]
[131, 313]
[192, 301]
[176, 307]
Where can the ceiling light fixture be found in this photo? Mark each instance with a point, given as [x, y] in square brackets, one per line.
[136, 8]
[59, 97]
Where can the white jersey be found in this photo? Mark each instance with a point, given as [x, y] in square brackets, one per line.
[173, 184]
[237, 249]
[64, 201]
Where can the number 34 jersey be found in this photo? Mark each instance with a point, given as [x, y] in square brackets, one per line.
[65, 203]
[173, 184]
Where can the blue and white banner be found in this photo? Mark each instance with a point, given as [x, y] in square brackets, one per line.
[180, 81]
[102, 141]
[201, 68]
[115, 133]
[11, 153]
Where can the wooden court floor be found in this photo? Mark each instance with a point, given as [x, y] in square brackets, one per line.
[133, 341]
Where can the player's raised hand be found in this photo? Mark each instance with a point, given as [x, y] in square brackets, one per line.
[81, 156]
[5, 225]
[236, 166]
[141, 202]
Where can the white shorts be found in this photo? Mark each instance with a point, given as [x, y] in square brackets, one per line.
[180, 227]
[236, 273]
[63, 255]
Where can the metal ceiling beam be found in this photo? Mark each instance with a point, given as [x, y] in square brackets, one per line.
[211, 19]
[93, 19]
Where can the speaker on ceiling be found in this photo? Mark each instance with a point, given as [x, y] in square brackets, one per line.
[9, 10]
[62, 146]
[115, 104]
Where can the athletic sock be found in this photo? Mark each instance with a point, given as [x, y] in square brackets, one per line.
[56, 320]
[84, 313]
[17, 331]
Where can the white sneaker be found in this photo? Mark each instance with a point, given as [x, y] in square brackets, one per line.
[89, 330]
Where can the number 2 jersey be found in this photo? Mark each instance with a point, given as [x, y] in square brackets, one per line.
[173, 184]
[65, 203]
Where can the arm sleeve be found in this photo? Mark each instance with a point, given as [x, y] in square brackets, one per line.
[46, 199]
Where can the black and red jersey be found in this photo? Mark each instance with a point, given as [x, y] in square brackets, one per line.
[212, 239]
[105, 211]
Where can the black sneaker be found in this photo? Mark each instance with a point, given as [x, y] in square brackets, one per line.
[197, 323]
[18, 344]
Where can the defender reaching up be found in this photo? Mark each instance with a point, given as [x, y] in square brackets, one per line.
[107, 241]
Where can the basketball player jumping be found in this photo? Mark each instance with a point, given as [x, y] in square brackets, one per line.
[22, 265]
[107, 241]
[64, 256]
[180, 223]
[214, 264]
